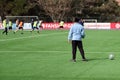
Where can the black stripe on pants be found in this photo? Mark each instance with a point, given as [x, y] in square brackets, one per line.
[78, 44]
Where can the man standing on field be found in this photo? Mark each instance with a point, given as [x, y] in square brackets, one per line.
[75, 36]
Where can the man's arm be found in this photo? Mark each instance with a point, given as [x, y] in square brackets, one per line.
[82, 33]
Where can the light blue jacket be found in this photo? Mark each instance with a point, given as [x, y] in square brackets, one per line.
[76, 32]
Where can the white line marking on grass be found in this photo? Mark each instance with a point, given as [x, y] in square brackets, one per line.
[37, 51]
[31, 36]
[51, 52]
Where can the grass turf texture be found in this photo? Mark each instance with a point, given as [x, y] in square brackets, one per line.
[46, 56]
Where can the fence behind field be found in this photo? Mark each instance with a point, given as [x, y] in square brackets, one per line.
[27, 26]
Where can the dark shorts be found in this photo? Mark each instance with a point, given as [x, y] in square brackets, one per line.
[35, 28]
[10, 27]
[21, 28]
[61, 27]
[16, 25]
[41, 26]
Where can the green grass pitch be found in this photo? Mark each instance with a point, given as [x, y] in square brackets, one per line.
[46, 56]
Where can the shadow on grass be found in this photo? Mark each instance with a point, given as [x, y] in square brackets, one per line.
[96, 59]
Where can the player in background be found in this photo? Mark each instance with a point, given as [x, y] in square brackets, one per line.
[17, 23]
[32, 22]
[35, 26]
[81, 22]
[20, 27]
[10, 24]
[61, 24]
[5, 25]
[40, 24]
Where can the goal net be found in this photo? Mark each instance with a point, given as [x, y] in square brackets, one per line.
[0, 19]
[90, 24]
[90, 20]
[27, 20]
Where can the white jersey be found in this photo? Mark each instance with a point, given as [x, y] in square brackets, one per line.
[40, 23]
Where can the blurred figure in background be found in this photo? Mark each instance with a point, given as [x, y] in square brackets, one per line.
[17, 23]
[61, 24]
[35, 26]
[40, 24]
[32, 22]
[5, 25]
[10, 24]
[81, 22]
[20, 26]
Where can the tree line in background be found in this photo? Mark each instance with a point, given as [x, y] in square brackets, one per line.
[56, 10]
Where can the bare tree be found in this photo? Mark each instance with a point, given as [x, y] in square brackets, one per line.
[56, 9]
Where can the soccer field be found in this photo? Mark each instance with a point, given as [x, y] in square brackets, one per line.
[46, 56]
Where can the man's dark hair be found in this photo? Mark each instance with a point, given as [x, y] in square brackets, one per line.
[77, 20]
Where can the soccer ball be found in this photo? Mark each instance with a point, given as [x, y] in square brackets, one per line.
[111, 56]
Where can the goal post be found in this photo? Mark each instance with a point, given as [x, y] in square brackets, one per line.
[27, 21]
[1, 26]
[0, 19]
